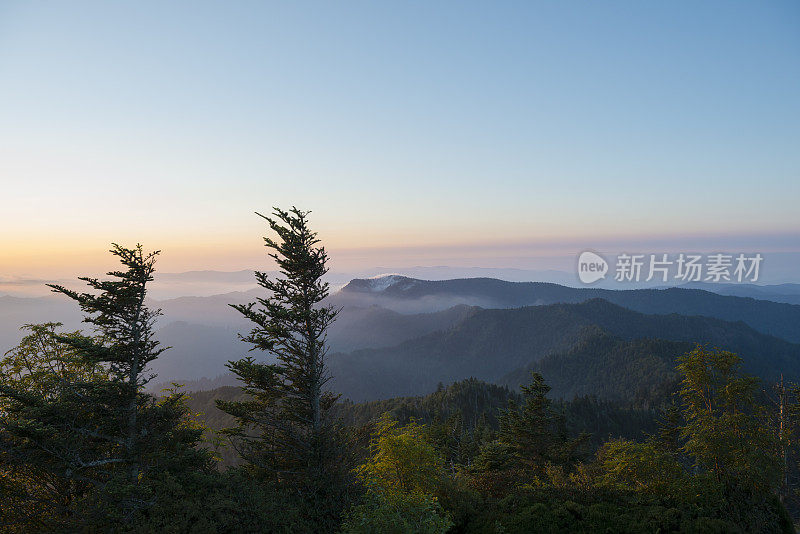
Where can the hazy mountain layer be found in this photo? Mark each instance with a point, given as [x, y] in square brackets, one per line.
[409, 295]
[501, 345]
[203, 331]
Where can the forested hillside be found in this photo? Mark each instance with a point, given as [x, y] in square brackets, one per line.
[408, 294]
[467, 406]
[595, 348]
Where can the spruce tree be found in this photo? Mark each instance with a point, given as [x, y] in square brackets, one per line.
[531, 430]
[99, 431]
[117, 311]
[533, 435]
[285, 432]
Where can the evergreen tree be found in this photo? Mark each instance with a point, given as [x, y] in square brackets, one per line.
[534, 433]
[127, 345]
[285, 432]
[97, 431]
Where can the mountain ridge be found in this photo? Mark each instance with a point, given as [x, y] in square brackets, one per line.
[493, 344]
[409, 295]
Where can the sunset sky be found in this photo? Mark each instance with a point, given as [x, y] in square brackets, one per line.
[417, 132]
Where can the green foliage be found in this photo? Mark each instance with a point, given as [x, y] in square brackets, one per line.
[462, 418]
[390, 512]
[647, 468]
[551, 510]
[532, 436]
[604, 420]
[217, 503]
[80, 440]
[402, 460]
[284, 431]
[401, 474]
[472, 400]
[43, 365]
[34, 377]
[726, 431]
[725, 436]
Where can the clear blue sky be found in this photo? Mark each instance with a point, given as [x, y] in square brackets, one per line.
[400, 124]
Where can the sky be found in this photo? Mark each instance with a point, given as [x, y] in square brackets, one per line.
[417, 133]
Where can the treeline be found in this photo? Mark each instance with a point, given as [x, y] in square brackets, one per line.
[463, 410]
[84, 448]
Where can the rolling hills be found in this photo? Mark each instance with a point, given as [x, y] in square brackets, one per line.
[410, 295]
[571, 342]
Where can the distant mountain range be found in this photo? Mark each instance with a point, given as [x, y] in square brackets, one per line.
[404, 317]
[203, 331]
[788, 293]
[594, 347]
[409, 295]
